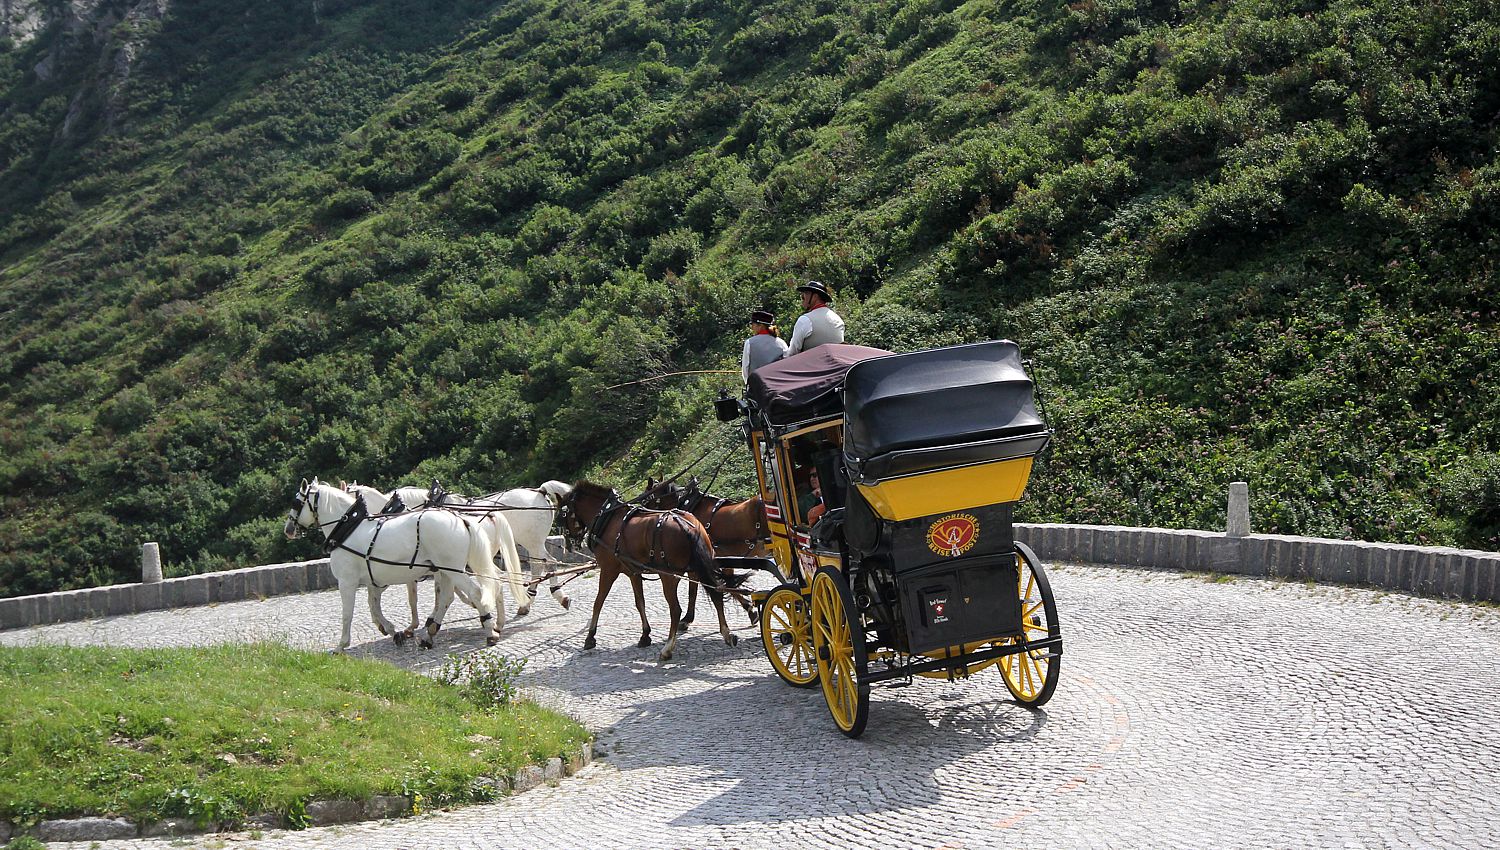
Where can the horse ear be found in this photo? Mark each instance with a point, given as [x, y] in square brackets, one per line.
[650, 482]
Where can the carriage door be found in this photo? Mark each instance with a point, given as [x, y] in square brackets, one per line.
[768, 466]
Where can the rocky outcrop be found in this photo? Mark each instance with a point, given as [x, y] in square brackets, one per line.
[20, 20]
[101, 39]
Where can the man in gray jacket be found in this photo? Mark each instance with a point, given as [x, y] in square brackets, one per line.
[763, 346]
[818, 324]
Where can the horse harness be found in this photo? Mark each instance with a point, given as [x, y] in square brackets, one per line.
[359, 513]
[612, 506]
[691, 499]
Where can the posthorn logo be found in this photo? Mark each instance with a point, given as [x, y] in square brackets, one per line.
[953, 534]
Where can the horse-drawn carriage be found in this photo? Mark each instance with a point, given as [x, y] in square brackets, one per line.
[889, 482]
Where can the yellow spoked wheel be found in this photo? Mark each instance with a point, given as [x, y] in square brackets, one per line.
[1032, 675]
[839, 642]
[786, 634]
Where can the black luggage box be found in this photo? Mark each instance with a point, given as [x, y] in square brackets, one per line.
[951, 603]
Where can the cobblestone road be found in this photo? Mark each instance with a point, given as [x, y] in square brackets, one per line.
[1190, 714]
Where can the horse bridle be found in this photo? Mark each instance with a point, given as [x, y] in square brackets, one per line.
[567, 518]
[295, 515]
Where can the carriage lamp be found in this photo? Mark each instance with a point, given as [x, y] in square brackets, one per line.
[727, 408]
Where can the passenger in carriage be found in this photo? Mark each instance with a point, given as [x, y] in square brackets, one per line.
[818, 324]
[764, 345]
[815, 506]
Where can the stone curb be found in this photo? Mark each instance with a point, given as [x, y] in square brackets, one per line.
[319, 812]
[1466, 574]
[1441, 572]
[208, 588]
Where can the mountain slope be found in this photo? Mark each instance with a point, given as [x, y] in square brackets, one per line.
[1247, 240]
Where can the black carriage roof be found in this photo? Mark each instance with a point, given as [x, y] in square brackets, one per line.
[962, 394]
[805, 386]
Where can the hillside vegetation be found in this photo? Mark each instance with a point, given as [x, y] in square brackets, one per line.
[1252, 239]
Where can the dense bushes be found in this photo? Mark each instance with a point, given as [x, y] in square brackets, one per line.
[1251, 241]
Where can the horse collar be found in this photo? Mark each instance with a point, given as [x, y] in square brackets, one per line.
[606, 511]
[357, 513]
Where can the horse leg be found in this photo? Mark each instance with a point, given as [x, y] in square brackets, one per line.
[439, 611]
[491, 617]
[692, 604]
[607, 576]
[717, 596]
[744, 599]
[377, 616]
[346, 596]
[406, 634]
[555, 588]
[638, 585]
[674, 627]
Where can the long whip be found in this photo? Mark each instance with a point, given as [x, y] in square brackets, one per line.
[674, 374]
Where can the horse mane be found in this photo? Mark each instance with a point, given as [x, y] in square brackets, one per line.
[589, 488]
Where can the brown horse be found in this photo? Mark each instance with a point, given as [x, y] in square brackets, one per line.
[633, 540]
[737, 528]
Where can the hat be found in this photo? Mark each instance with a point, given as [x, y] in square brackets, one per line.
[815, 286]
[762, 316]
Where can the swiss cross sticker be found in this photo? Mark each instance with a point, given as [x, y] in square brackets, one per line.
[939, 606]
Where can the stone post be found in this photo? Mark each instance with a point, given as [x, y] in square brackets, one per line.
[1238, 524]
[150, 563]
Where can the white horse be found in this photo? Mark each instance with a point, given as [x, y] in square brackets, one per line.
[400, 549]
[376, 501]
[530, 512]
[499, 527]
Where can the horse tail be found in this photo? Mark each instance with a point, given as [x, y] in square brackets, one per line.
[482, 562]
[505, 540]
[702, 559]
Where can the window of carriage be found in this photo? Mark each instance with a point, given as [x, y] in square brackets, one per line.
[769, 469]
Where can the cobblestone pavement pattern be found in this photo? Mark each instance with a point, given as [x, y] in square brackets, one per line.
[1191, 713]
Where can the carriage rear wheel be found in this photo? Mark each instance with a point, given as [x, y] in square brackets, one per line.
[786, 634]
[839, 641]
[1032, 675]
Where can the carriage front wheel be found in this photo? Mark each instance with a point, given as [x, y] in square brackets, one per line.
[839, 644]
[786, 634]
[1032, 675]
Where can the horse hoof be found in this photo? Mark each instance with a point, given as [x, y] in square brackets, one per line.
[424, 643]
[731, 640]
[589, 644]
[664, 656]
[401, 637]
[644, 642]
[566, 603]
[491, 640]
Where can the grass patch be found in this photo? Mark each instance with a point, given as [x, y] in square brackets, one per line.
[219, 733]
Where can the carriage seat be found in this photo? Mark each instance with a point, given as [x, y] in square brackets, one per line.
[827, 534]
